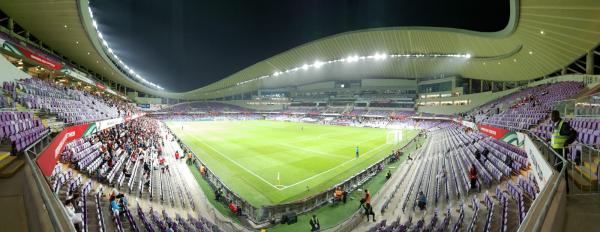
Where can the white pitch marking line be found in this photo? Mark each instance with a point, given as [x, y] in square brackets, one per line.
[328, 170]
[311, 150]
[236, 163]
[285, 187]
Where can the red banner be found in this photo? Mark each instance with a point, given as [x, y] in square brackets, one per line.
[494, 132]
[100, 86]
[39, 59]
[49, 157]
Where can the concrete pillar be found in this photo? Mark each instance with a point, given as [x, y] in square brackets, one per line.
[470, 86]
[11, 26]
[589, 63]
[481, 85]
[563, 71]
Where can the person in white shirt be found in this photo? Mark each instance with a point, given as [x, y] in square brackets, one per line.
[76, 218]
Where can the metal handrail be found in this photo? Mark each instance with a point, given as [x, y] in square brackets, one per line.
[538, 224]
[48, 198]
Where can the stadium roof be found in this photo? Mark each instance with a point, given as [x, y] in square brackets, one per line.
[541, 37]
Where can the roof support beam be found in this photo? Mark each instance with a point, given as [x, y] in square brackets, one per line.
[589, 63]
[573, 70]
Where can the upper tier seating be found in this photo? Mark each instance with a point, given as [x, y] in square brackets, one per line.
[71, 105]
[205, 107]
[528, 107]
[21, 128]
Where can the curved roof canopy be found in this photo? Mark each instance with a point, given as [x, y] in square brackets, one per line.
[542, 36]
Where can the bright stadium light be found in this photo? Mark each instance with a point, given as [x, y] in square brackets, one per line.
[317, 64]
[379, 56]
[116, 59]
[359, 58]
[351, 59]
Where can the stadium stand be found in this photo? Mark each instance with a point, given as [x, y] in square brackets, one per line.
[85, 150]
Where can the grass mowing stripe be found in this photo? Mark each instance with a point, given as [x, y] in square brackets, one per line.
[236, 163]
[259, 156]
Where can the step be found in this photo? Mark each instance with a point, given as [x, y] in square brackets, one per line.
[11, 169]
[6, 160]
[586, 173]
[592, 166]
[581, 182]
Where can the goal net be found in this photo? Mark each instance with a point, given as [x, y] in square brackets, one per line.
[394, 136]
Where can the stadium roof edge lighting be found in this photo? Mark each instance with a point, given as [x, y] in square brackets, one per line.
[129, 72]
[356, 58]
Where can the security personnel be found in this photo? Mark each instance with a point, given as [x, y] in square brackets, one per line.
[562, 135]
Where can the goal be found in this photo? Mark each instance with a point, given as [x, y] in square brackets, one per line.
[394, 136]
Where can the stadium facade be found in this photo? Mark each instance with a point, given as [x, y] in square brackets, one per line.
[74, 115]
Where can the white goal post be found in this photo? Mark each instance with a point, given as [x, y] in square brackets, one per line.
[394, 136]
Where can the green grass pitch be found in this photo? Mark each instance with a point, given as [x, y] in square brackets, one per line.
[249, 156]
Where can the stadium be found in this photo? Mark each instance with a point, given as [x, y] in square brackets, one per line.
[334, 115]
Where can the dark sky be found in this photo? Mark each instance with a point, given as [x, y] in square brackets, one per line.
[186, 44]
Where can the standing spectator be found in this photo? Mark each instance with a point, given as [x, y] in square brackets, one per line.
[314, 223]
[189, 160]
[369, 211]
[366, 199]
[473, 177]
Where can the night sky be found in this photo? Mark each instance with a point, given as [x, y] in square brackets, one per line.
[186, 44]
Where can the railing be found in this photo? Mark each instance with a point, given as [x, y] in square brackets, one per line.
[583, 159]
[56, 211]
[544, 200]
[264, 214]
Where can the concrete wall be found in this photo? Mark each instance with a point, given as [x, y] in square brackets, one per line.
[255, 105]
[479, 99]
[147, 100]
[8, 72]
[318, 86]
[476, 100]
[406, 84]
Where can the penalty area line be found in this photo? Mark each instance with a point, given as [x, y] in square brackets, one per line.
[238, 164]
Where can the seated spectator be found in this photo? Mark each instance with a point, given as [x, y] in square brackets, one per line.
[126, 173]
[116, 209]
[76, 218]
[314, 223]
[422, 201]
[122, 200]
[202, 169]
[233, 208]
[218, 194]
[338, 194]
[485, 152]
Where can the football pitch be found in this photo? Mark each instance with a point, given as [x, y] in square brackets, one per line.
[272, 162]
